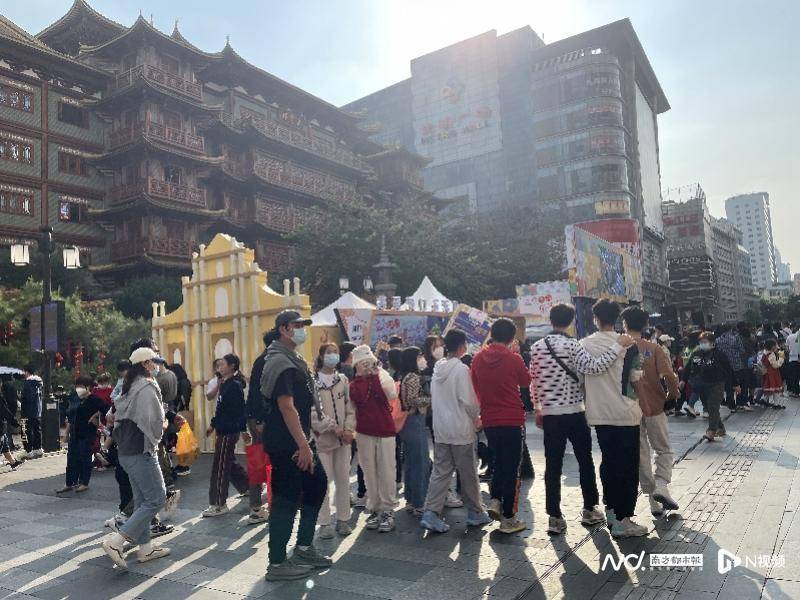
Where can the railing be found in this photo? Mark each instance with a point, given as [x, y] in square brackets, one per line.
[307, 181]
[161, 189]
[169, 135]
[277, 130]
[152, 245]
[159, 77]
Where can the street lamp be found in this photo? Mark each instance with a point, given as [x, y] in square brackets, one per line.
[20, 255]
[344, 285]
[368, 284]
[72, 257]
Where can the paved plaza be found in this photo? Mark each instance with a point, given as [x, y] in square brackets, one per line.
[740, 494]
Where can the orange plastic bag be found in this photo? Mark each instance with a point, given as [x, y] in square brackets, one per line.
[399, 415]
[187, 449]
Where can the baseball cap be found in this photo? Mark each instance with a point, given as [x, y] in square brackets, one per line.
[290, 316]
[141, 355]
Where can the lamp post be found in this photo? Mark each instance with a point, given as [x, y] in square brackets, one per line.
[344, 285]
[20, 256]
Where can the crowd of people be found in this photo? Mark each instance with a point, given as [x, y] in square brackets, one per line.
[433, 421]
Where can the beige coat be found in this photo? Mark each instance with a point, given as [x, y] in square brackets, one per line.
[337, 412]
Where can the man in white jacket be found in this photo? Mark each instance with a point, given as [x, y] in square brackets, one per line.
[613, 410]
[455, 410]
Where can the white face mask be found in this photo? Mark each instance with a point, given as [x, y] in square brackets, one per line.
[422, 364]
[438, 353]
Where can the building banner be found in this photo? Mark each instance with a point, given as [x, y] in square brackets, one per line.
[412, 328]
[536, 299]
[475, 323]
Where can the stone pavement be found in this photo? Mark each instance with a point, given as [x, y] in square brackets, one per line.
[740, 494]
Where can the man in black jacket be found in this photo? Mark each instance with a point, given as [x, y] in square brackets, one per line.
[8, 419]
[32, 412]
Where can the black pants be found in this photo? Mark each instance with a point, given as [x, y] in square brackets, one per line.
[505, 442]
[33, 434]
[557, 430]
[79, 461]
[293, 489]
[125, 490]
[362, 486]
[619, 467]
[793, 377]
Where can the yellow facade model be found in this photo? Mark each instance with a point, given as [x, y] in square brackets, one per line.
[227, 306]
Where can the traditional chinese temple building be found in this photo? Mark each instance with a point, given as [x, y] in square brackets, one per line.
[137, 147]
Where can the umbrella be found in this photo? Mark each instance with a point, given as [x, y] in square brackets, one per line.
[9, 371]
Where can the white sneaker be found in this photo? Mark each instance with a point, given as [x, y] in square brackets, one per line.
[453, 500]
[116, 521]
[662, 495]
[627, 528]
[495, 509]
[705, 414]
[592, 517]
[215, 511]
[655, 507]
[113, 545]
[326, 532]
[258, 516]
[153, 552]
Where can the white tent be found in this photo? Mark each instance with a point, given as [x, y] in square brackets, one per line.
[348, 300]
[427, 293]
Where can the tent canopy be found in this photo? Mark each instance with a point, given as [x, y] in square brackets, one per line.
[428, 292]
[348, 300]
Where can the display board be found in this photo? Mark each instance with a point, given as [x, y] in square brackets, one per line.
[354, 323]
[412, 328]
[475, 323]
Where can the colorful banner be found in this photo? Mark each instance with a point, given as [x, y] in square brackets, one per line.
[509, 306]
[412, 328]
[354, 323]
[623, 233]
[475, 323]
[602, 269]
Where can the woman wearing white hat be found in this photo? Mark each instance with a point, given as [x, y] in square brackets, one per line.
[139, 425]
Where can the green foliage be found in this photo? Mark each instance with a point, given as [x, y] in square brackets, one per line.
[772, 310]
[137, 297]
[469, 261]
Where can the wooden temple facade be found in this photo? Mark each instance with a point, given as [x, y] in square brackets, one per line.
[138, 147]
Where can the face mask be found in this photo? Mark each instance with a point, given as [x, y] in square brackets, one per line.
[422, 364]
[704, 346]
[156, 370]
[299, 336]
[330, 360]
[438, 353]
[82, 392]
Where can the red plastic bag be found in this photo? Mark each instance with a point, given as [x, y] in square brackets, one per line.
[259, 469]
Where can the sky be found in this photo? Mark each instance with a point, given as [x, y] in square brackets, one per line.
[729, 68]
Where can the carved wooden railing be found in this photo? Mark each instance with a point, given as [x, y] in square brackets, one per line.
[168, 135]
[301, 179]
[160, 189]
[152, 245]
[160, 77]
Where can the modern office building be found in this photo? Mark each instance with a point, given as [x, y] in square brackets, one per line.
[137, 146]
[568, 127]
[750, 213]
[735, 293]
[784, 269]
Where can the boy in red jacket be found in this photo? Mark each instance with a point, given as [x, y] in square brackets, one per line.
[497, 375]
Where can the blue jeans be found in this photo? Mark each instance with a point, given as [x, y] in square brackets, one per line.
[416, 460]
[79, 461]
[149, 495]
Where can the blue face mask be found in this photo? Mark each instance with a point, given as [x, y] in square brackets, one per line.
[704, 346]
[299, 336]
[330, 360]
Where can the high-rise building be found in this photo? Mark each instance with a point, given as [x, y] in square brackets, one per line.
[784, 269]
[137, 146]
[735, 294]
[750, 213]
[569, 127]
[690, 254]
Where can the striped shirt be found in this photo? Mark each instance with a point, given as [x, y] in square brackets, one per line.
[553, 390]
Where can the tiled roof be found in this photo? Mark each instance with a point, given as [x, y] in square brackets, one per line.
[79, 9]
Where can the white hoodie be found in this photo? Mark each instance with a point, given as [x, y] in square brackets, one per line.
[453, 402]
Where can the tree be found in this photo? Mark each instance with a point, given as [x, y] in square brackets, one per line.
[772, 310]
[137, 297]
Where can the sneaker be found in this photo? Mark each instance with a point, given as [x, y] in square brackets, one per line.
[171, 505]
[656, 509]
[453, 500]
[592, 517]
[611, 518]
[38, 453]
[311, 557]
[81, 488]
[495, 509]
[244, 494]
[360, 502]
[556, 525]
[387, 523]
[747, 408]
[478, 519]
[326, 532]
[512, 525]
[486, 476]
[627, 528]
[709, 435]
[662, 495]
[23, 455]
[288, 570]
[343, 528]
[102, 460]
[690, 412]
[705, 414]
[144, 555]
[159, 529]
[260, 515]
[721, 432]
[433, 522]
[65, 489]
[182, 471]
[113, 546]
[14, 465]
[373, 521]
[116, 521]
[215, 511]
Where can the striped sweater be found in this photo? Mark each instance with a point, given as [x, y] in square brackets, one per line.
[553, 390]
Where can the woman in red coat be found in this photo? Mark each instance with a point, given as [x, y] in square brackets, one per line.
[772, 361]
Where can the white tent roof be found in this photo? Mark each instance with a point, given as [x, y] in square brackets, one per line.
[428, 292]
[348, 300]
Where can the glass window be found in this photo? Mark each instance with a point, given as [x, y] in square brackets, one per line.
[69, 212]
[73, 115]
